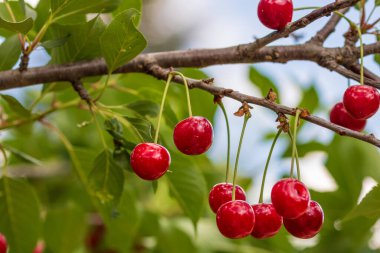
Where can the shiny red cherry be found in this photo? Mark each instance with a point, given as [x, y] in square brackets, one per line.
[308, 224]
[341, 117]
[361, 101]
[275, 14]
[150, 161]
[3, 244]
[39, 248]
[193, 136]
[95, 236]
[290, 198]
[235, 219]
[267, 223]
[222, 193]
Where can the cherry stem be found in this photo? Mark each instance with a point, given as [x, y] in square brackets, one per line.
[267, 165]
[228, 139]
[246, 118]
[5, 162]
[361, 55]
[294, 141]
[297, 159]
[170, 77]
[306, 8]
[187, 91]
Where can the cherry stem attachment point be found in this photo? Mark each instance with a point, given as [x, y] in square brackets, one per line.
[170, 77]
[267, 165]
[298, 112]
[187, 91]
[228, 139]
[247, 115]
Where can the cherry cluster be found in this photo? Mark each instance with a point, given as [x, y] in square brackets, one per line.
[360, 102]
[290, 205]
[4, 246]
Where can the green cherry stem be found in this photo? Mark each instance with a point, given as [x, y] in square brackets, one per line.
[294, 141]
[361, 55]
[297, 159]
[267, 165]
[5, 162]
[170, 77]
[228, 139]
[187, 91]
[246, 118]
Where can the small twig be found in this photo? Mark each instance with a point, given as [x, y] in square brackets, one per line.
[82, 92]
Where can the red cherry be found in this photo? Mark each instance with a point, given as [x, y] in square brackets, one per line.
[275, 14]
[235, 219]
[3, 244]
[341, 117]
[95, 236]
[193, 136]
[290, 198]
[361, 101]
[150, 161]
[39, 248]
[308, 224]
[268, 222]
[222, 193]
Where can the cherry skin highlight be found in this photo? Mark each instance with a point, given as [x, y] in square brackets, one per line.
[361, 101]
[341, 117]
[235, 219]
[150, 161]
[290, 198]
[308, 224]
[275, 14]
[193, 136]
[268, 221]
[3, 244]
[222, 193]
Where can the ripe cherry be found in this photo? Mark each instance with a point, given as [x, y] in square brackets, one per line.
[3, 244]
[39, 248]
[268, 222]
[290, 198]
[341, 117]
[150, 161]
[275, 14]
[308, 224]
[95, 237]
[193, 136]
[222, 193]
[361, 101]
[235, 219]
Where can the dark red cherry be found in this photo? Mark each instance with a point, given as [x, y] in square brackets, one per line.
[95, 236]
[308, 224]
[150, 161]
[290, 198]
[193, 136]
[361, 101]
[267, 223]
[3, 244]
[40, 247]
[222, 193]
[341, 117]
[275, 14]
[235, 219]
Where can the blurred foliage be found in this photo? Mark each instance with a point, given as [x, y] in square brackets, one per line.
[95, 203]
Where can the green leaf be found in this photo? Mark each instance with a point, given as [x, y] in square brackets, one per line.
[107, 180]
[172, 238]
[65, 8]
[15, 105]
[145, 108]
[309, 99]
[82, 41]
[20, 27]
[377, 2]
[130, 4]
[262, 82]
[368, 207]
[188, 186]
[64, 229]
[20, 215]
[49, 44]
[10, 51]
[121, 41]
[24, 156]
[142, 127]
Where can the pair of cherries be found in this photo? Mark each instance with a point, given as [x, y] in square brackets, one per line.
[291, 205]
[192, 136]
[275, 14]
[4, 246]
[360, 102]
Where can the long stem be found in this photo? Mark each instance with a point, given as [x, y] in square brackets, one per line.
[228, 139]
[267, 165]
[187, 91]
[306, 8]
[170, 77]
[20, 37]
[103, 88]
[370, 14]
[297, 158]
[294, 141]
[361, 55]
[246, 118]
